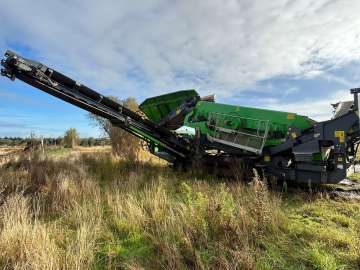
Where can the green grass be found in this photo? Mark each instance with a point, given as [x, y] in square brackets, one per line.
[58, 151]
[93, 212]
[355, 177]
[320, 234]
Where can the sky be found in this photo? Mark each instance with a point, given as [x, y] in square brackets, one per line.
[290, 55]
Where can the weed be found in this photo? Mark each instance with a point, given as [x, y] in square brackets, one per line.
[86, 211]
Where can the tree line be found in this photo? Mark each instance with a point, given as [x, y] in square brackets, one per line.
[59, 141]
[122, 143]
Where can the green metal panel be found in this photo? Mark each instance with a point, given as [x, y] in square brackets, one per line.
[156, 108]
[246, 118]
[255, 127]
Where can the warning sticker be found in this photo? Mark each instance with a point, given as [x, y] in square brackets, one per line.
[340, 134]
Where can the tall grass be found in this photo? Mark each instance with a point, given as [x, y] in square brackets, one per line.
[95, 212]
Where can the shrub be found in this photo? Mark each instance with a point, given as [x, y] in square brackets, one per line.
[71, 138]
[123, 144]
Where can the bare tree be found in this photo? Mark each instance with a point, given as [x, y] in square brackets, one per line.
[123, 144]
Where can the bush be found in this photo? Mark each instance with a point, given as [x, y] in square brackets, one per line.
[123, 144]
[71, 138]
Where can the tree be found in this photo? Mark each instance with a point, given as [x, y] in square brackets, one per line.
[71, 138]
[59, 141]
[84, 142]
[122, 143]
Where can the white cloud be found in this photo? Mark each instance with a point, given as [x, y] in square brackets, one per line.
[140, 47]
[291, 90]
[319, 109]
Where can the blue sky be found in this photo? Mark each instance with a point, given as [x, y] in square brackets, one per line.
[291, 55]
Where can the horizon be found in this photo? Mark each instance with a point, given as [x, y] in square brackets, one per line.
[296, 56]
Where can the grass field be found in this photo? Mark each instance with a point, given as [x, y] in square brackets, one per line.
[7, 150]
[86, 210]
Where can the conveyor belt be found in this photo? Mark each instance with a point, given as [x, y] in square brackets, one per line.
[69, 90]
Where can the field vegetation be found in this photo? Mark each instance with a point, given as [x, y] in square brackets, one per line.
[71, 209]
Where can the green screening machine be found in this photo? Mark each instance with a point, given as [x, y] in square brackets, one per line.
[184, 128]
[245, 128]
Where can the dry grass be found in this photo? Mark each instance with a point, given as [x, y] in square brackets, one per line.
[88, 211]
[6, 150]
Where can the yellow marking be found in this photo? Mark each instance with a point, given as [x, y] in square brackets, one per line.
[267, 158]
[291, 116]
[293, 135]
[340, 134]
[340, 159]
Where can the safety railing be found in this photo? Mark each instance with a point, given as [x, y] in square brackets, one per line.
[241, 132]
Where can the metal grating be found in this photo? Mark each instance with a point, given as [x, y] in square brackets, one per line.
[245, 133]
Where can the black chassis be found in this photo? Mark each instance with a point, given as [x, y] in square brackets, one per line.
[293, 160]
